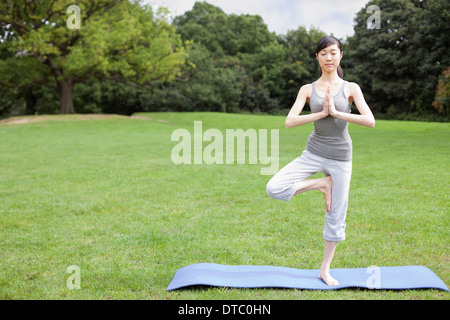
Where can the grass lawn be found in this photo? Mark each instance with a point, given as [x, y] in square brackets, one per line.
[101, 193]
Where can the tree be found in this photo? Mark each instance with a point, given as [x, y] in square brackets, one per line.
[117, 40]
[236, 61]
[442, 97]
[223, 34]
[431, 43]
[301, 65]
[398, 65]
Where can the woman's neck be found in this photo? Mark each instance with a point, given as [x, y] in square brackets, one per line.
[330, 77]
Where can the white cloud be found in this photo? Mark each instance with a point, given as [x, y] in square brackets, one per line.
[330, 16]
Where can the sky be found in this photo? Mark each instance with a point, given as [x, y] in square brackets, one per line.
[331, 16]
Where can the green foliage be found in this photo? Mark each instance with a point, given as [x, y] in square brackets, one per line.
[442, 97]
[118, 39]
[399, 64]
[231, 58]
[223, 34]
[239, 64]
[302, 66]
[128, 58]
[106, 96]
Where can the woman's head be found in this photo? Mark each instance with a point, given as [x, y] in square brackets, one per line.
[329, 54]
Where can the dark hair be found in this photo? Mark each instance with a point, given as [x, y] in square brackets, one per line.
[325, 42]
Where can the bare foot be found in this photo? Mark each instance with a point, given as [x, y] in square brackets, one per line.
[326, 189]
[327, 278]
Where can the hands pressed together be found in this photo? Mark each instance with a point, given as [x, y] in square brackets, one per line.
[364, 118]
[329, 107]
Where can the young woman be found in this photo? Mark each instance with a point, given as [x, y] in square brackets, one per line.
[329, 147]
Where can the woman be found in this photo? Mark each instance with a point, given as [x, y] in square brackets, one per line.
[329, 147]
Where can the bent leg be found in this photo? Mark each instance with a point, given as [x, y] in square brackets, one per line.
[292, 178]
[322, 184]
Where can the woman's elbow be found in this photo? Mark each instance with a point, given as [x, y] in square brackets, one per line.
[288, 123]
[371, 123]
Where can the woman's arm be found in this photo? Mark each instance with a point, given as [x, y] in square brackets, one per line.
[365, 118]
[294, 119]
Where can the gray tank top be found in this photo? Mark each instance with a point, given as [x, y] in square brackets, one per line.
[330, 138]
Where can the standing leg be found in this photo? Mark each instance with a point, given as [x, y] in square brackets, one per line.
[334, 229]
[328, 252]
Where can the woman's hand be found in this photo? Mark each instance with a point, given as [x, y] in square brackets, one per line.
[294, 118]
[326, 104]
[365, 116]
[331, 106]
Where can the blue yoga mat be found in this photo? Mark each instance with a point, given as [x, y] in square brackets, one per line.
[388, 278]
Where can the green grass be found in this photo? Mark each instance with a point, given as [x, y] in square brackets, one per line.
[104, 195]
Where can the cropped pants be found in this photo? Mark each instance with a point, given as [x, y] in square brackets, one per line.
[282, 186]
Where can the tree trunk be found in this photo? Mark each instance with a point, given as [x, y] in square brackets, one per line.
[65, 93]
[64, 88]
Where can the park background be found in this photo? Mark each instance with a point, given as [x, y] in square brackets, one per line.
[85, 146]
[126, 58]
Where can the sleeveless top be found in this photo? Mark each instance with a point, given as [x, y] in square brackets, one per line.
[330, 138]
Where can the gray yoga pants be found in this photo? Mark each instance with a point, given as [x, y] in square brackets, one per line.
[282, 186]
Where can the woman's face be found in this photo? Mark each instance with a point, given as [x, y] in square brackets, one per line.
[329, 58]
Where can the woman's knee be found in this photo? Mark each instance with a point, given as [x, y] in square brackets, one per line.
[271, 189]
[277, 191]
[274, 190]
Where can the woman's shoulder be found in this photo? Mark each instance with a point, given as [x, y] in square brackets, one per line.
[306, 88]
[352, 85]
[352, 88]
